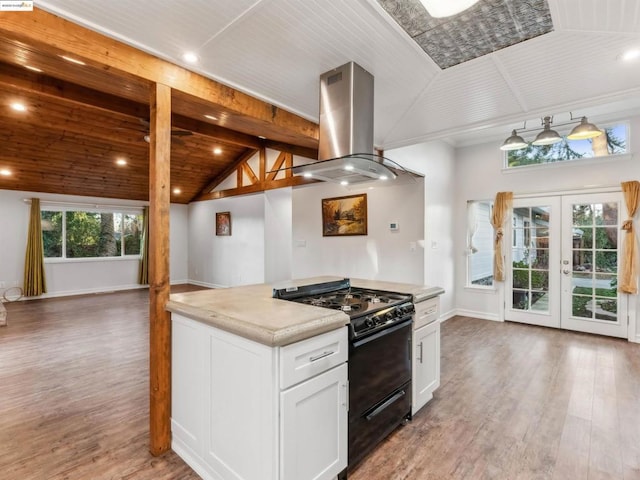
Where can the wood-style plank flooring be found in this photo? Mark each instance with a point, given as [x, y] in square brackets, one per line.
[515, 402]
[521, 402]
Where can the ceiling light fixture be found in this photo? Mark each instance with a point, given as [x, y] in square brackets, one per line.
[190, 57]
[584, 130]
[547, 136]
[72, 60]
[121, 161]
[211, 117]
[5, 172]
[217, 151]
[446, 8]
[19, 107]
[514, 142]
[177, 191]
[33, 69]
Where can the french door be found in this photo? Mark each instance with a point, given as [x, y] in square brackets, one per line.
[562, 263]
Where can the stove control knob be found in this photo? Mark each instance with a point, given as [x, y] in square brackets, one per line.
[388, 316]
[368, 323]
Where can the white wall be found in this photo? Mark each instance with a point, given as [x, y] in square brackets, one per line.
[79, 276]
[436, 161]
[278, 224]
[381, 254]
[479, 175]
[226, 261]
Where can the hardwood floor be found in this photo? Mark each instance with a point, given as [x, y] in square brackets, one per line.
[521, 402]
[515, 402]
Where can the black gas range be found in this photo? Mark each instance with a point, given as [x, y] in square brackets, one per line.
[380, 327]
[370, 311]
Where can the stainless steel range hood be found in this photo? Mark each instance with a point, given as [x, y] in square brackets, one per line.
[345, 153]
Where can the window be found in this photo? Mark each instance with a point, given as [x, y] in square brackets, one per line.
[480, 244]
[86, 234]
[612, 143]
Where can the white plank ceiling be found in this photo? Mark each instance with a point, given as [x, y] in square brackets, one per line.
[277, 49]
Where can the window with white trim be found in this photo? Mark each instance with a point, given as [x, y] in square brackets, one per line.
[72, 234]
[479, 244]
[613, 142]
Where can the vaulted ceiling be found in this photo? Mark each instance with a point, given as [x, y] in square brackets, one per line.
[275, 50]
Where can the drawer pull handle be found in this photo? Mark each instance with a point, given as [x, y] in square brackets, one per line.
[420, 359]
[429, 312]
[322, 355]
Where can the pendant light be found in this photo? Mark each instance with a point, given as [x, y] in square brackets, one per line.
[514, 142]
[446, 8]
[584, 130]
[547, 136]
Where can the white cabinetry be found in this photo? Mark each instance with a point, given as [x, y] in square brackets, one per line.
[426, 353]
[242, 410]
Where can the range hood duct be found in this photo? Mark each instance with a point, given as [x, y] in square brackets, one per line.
[345, 153]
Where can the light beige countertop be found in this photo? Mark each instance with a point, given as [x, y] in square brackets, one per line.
[251, 312]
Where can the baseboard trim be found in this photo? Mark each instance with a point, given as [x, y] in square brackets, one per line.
[88, 291]
[446, 316]
[481, 315]
[205, 284]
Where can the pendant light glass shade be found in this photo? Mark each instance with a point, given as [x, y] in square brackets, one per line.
[446, 8]
[584, 130]
[514, 142]
[547, 136]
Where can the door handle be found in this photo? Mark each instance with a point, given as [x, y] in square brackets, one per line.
[420, 359]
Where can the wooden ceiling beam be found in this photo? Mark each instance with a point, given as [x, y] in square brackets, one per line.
[222, 134]
[258, 187]
[45, 30]
[24, 80]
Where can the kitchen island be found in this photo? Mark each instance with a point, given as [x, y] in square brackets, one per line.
[259, 385]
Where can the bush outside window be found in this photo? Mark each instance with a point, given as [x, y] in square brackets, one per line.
[86, 234]
[613, 142]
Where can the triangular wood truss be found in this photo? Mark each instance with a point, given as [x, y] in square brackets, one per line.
[264, 179]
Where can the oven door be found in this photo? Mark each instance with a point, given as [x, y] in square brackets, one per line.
[379, 387]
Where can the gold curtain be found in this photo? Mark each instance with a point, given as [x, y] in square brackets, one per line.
[143, 270]
[628, 282]
[501, 207]
[34, 283]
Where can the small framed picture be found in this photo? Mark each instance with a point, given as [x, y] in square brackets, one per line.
[344, 215]
[223, 223]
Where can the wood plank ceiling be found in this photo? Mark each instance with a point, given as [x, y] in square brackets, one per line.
[81, 118]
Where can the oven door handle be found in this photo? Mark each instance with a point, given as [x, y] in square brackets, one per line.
[380, 408]
[382, 333]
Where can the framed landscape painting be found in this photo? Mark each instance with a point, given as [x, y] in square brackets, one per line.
[344, 215]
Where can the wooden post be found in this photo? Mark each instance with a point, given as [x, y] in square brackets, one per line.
[159, 287]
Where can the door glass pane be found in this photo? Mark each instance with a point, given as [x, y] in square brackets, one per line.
[579, 306]
[582, 215]
[530, 258]
[595, 261]
[606, 237]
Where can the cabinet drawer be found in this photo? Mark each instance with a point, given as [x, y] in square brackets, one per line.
[426, 312]
[310, 357]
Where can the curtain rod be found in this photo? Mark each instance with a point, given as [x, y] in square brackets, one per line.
[554, 193]
[85, 204]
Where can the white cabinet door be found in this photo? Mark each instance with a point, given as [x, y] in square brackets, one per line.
[426, 364]
[313, 427]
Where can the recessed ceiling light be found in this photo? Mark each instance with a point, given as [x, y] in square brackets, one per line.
[348, 167]
[217, 150]
[308, 175]
[630, 55]
[73, 60]
[261, 137]
[33, 69]
[383, 177]
[19, 107]
[211, 117]
[121, 161]
[344, 182]
[5, 172]
[177, 191]
[190, 57]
